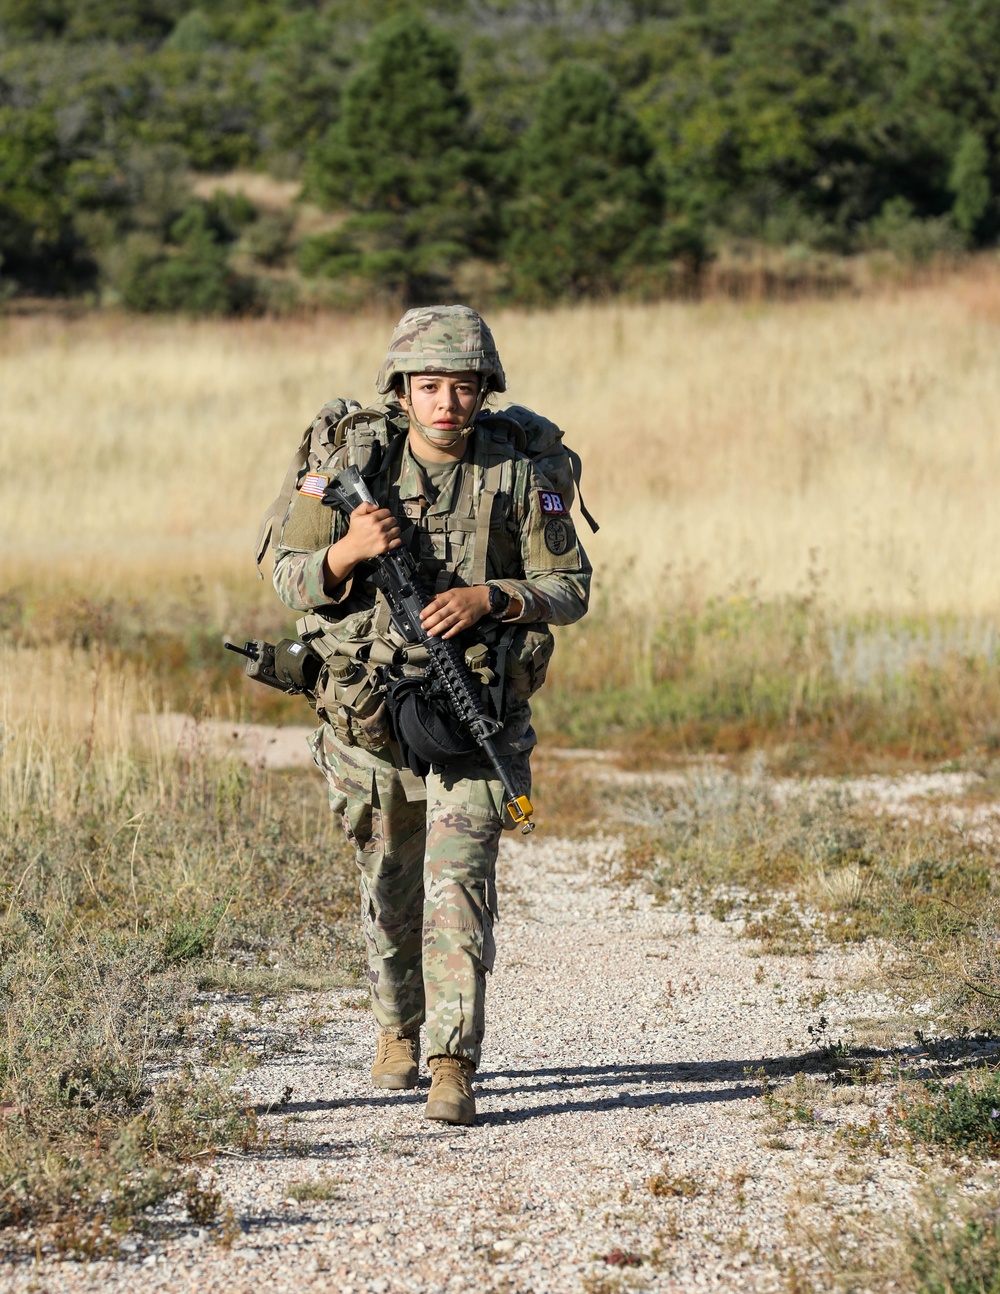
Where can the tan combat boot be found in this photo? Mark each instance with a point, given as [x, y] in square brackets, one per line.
[451, 1098]
[397, 1060]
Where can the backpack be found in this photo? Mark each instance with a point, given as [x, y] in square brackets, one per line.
[542, 442]
[369, 432]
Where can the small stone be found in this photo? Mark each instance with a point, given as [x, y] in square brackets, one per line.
[248, 1255]
[504, 1246]
[379, 1231]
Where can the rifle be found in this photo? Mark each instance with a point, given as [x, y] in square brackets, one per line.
[398, 576]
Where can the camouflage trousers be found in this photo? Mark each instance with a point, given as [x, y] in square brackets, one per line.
[428, 889]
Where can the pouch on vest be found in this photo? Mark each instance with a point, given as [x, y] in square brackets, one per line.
[350, 696]
[429, 735]
[527, 660]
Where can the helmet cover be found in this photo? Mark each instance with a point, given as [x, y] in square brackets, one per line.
[442, 339]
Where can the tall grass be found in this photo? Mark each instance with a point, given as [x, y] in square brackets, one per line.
[796, 504]
[737, 673]
[726, 445]
[130, 878]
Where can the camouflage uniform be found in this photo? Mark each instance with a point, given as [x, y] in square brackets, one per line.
[427, 852]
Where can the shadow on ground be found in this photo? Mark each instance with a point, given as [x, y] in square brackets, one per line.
[586, 1088]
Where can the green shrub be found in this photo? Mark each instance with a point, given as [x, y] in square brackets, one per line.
[960, 1256]
[193, 275]
[963, 1116]
[913, 240]
[969, 180]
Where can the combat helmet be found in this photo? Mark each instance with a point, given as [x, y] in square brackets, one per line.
[442, 339]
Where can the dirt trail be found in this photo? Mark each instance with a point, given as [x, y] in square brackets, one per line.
[621, 1122]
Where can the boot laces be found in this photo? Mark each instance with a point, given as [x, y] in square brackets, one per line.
[449, 1071]
[387, 1039]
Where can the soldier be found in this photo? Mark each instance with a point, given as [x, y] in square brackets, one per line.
[498, 550]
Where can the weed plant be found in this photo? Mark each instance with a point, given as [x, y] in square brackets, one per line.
[962, 1116]
[947, 1242]
[957, 1255]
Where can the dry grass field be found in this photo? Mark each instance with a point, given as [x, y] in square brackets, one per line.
[726, 446]
[796, 544]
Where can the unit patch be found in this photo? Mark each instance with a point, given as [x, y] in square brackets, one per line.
[552, 504]
[557, 536]
[314, 484]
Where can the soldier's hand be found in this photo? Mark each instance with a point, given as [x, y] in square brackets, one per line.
[372, 532]
[454, 610]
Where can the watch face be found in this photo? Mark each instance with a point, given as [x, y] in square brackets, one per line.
[499, 600]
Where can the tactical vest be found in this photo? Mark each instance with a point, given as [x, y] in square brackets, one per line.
[369, 433]
[467, 534]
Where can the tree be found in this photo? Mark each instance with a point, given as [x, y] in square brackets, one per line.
[403, 158]
[300, 91]
[90, 19]
[592, 196]
[970, 182]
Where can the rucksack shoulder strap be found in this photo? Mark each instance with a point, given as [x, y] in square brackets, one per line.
[496, 455]
[576, 467]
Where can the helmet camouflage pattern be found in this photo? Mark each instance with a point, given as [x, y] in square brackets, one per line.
[442, 339]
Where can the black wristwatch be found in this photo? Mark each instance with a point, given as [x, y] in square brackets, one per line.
[499, 601]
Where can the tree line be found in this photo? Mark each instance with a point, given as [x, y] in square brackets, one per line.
[536, 150]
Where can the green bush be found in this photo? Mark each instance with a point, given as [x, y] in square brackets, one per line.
[912, 240]
[969, 181]
[960, 1256]
[964, 1117]
[193, 275]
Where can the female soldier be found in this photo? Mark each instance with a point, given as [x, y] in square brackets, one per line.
[500, 556]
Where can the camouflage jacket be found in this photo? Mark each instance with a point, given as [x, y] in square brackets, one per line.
[495, 518]
[530, 549]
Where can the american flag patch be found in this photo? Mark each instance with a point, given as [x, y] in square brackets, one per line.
[314, 484]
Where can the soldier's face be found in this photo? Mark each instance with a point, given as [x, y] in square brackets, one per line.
[444, 402]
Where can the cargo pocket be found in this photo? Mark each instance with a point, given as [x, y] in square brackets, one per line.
[527, 661]
[351, 792]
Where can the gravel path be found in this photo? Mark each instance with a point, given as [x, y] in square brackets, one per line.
[620, 1119]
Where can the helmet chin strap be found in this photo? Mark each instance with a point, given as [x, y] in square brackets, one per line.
[434, 435]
